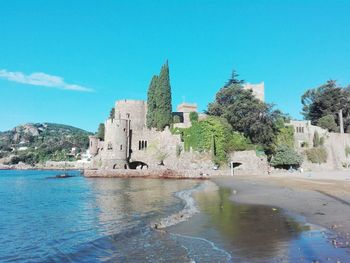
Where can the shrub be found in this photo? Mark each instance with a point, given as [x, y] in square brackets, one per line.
[286, 157]
[237, 142]
[347, 151]
[193, 116]
[317, 155]
[285, 136]
[316, 139]
[214, 134]
[328, 122]
[176, 119]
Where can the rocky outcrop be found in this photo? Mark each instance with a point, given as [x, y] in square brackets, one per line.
[152, 174]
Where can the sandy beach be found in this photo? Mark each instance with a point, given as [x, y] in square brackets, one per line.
[320, 198]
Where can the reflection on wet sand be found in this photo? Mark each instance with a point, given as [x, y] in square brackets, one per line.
[125, 198]
[249, 231]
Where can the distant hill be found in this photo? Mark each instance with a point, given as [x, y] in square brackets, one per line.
[39, 142]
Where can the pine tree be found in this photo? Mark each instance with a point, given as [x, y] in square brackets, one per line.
[163, 114]
[151, 103]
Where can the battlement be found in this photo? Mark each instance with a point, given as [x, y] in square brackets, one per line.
[134, 110]
[120, 103]
[187, 107]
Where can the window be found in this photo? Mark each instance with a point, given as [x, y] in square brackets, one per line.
[109, 146]
[121, 147]
[142, 145]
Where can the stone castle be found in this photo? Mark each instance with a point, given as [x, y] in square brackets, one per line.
[127, 140]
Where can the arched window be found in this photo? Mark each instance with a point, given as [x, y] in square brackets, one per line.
[121, 147]
[139, 145]
[145, 144]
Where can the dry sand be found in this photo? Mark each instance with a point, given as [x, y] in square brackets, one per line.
[322, 198]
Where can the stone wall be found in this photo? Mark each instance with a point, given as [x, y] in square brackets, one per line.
[135, 110]
[169, 145]
[304, 133]
[335, 144]
[251, 164]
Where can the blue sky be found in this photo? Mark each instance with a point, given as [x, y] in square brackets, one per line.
[90, 53]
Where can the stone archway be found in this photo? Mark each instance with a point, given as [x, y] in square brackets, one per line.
[138, 165]
[234, 165]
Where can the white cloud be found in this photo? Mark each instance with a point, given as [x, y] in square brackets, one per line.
[41, 79]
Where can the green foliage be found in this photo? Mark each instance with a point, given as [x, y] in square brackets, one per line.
[163, 96]
[327, 100]
[285, 136]
[237, 142]
[193, 116]
[316, 140]
[213, 147]
[50, 141]
[347, 151]
[214, 134]
[286, 157]
[233, 80]
[317, 155]
[159, 114]
[161, 156]
[176, 119]
[322, 141]
[101, 131]
[112, 113]
[151, 103]
[247, 114]
[328, 122]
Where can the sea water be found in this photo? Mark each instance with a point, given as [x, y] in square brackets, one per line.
[80, 219]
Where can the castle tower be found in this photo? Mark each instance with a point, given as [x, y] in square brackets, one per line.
[116, 145]
[134, 110]
[93, 145]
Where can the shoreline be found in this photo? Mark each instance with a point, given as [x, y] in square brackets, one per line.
[320, 201]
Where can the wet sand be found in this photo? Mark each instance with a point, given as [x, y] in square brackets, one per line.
[321, 198]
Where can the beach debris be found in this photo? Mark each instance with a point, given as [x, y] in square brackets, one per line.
[319, 213]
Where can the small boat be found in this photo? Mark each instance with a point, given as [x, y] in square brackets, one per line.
[62, 175]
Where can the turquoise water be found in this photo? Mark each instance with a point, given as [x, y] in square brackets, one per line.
[111, 220]
[79, 219]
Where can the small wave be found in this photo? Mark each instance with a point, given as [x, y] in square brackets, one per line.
[227, 255]
[189, 209]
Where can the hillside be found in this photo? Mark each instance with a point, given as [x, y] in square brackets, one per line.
[39, 142]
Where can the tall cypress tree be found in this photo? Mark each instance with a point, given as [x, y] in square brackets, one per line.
[159, 108]
[163, 99]
[151, 103]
